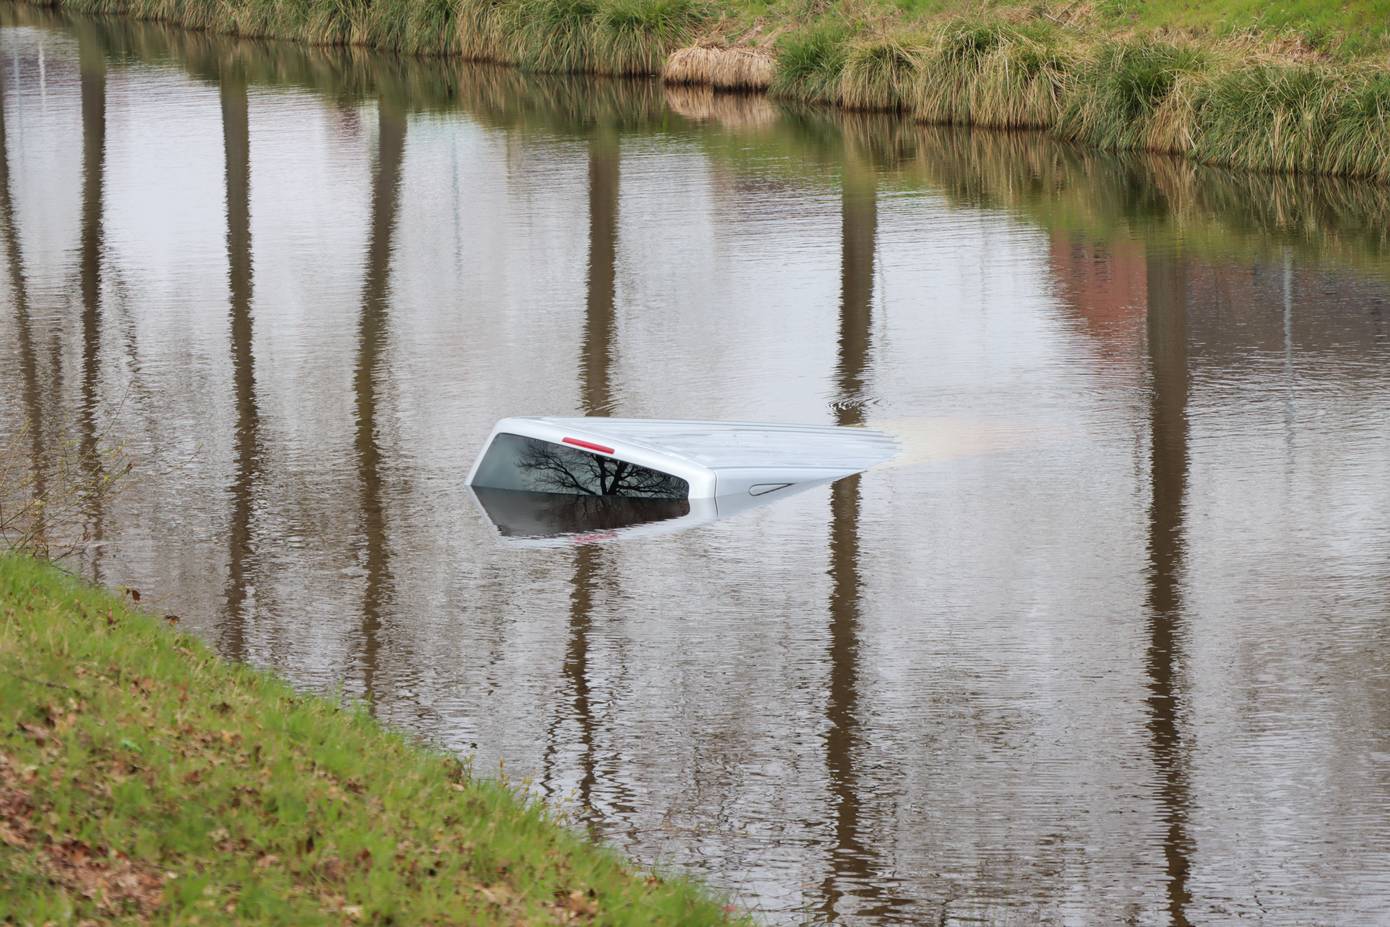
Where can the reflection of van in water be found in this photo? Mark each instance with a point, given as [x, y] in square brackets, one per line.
[535, 474]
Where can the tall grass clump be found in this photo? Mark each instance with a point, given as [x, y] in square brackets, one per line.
[810, 63]
[482, 30]
[249, 19]
[947, 80]
[635, 36]
[572, 36]
[1296, 119]
[1120, 89]
[879, 73]
[1174, 125]
[1358, 143]
[1269, 116]
[1024, 81]
[337, 22]
[422, 27]
[388, 25]
[554, 35]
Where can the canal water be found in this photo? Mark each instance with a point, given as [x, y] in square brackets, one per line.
[1109, 642]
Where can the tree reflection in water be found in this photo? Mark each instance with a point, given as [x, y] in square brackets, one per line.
[558, 469]
[530, 465]
[92, 81]
[19, 290]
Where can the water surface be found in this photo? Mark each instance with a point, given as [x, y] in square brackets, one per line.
[1107, 643]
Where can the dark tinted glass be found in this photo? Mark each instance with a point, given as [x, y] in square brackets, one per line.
[527, 464]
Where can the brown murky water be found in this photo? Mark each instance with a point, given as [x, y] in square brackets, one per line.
[1109, 642]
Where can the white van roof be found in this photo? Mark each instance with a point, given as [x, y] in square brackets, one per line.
[715, 458]
[729, 445]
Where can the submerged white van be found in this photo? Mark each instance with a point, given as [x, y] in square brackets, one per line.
[545, 477]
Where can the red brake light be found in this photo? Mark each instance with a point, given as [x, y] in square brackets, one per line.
[588, 445]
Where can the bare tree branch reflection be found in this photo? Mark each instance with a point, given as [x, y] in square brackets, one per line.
[557, 469]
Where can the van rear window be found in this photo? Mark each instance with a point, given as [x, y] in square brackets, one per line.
[530, 465]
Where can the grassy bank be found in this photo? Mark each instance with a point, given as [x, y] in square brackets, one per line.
[142, 779]
[1219, 101]
[621, 37]
[1304, 88]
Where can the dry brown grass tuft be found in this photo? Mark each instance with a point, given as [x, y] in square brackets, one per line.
[737, 67]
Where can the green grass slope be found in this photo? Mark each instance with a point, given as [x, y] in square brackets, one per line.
[144, 780]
